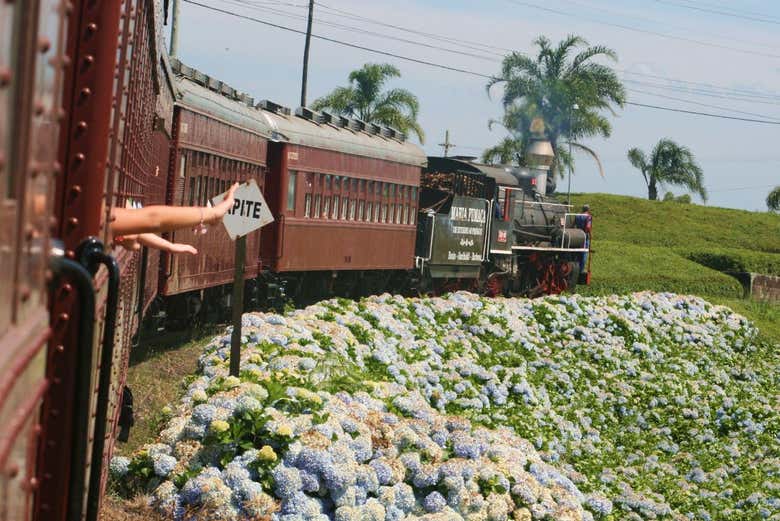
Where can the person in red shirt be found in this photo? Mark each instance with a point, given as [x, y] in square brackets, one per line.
[584, 222]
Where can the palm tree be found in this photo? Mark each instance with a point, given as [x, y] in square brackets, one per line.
[364, 99]
[773, 199]
[669, 164]
[551, 84]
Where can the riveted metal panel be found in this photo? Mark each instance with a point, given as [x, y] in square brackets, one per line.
[30, 54]
[92, 43]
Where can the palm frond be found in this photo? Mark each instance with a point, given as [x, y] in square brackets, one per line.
[592, 153]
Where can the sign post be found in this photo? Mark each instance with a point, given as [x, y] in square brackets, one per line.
[249, 213]
[238, 306]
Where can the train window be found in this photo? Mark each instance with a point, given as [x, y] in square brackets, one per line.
[414, 195]
[405, 219]
[336, 182]
[370, 187]
[291, 183]
[377, 208]
[335, 214]
[361, 210]
[412, 215]
[200, 189]
[362, 185]
[344, 208]
[307, 205]
[182, 166]
[392, 190]
[384, 213]
[192, 192]
[352, 206]
[326, 207]
[385, 189]
[354, 185]
[398, 213]
[327, 181]
[317, 206]
[378, 186]
[369, 211]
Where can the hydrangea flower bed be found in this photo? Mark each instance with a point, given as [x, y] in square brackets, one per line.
[650, 406]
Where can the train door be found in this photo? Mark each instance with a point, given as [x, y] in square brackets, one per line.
[30, 86]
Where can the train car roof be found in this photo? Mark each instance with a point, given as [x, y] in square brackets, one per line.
[307, 129]
[197, 97]
[199, 92]
[504, 175]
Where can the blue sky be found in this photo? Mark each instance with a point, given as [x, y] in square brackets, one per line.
[722, 58]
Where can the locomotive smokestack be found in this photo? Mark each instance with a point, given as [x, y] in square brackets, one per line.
[540, 155]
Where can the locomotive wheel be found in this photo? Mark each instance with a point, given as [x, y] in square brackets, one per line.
[553, 277]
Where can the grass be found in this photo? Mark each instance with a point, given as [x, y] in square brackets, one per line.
[157, 368]
[683, 248]
[675, 225]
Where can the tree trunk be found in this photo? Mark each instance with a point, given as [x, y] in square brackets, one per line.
[652, 190]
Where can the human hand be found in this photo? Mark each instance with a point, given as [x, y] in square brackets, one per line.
[184, 248]
[219, 211]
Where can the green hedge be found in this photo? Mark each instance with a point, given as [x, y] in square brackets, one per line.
[624, 268]
[724, 259]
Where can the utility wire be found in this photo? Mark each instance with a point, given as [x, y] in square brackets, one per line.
[719, 12]
[644, 31]
[764, 116]
[446, 67]
[427, 34]
[722, 116]
[740, 97]
[340, 42]
[364, 31]
[664, 23]
[455, 41]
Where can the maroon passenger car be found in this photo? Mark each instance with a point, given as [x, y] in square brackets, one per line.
[220, 138]
[344, 195]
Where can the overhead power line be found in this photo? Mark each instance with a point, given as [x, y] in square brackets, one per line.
[728, 109]
[706, 89]
[446, 67]
[722, 116]
[764, 20]
[328, 23]
[644, 31]
[339, 42]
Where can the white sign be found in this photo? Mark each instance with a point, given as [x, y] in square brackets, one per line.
[249, 212]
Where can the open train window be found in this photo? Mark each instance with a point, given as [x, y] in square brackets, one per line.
[336, 182]
[326, 207]
[327, 181]
[307, 205]
[398, 213]
[335, 213]
[362, 185]
[317, 206]
[405, 219]
[291, 183]
[192, 191]
[352, 208]
[344, 209]
[361, 210]
[369, 211]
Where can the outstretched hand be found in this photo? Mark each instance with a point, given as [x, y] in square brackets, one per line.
[183, 248]
[226, 204]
